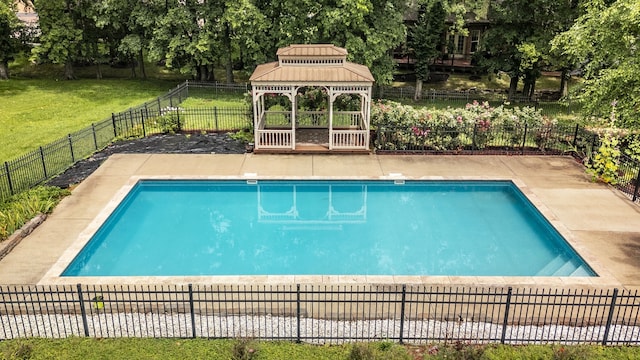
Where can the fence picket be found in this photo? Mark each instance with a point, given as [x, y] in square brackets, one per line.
[323, 314]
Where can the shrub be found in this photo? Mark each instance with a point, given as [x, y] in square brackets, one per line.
[20, 208]
[245, 349]
[474, 126]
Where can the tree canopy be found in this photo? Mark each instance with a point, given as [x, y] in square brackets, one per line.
[10, 28]
[193, 36]
[605, 42]
[517, 42]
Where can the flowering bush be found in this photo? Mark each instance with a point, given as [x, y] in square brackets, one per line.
[604, 166]
[403, 127]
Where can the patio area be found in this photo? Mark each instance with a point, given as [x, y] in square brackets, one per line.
[598, 221]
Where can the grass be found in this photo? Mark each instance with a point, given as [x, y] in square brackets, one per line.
[486, 82]
[133, 348]
[36, 112]
[200, 99]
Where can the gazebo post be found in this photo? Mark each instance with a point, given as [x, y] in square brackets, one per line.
[294, 113]
[256, 118]
[331, 98]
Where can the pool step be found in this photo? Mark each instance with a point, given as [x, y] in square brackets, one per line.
[566, 269]
[581, 271]
[552, 267]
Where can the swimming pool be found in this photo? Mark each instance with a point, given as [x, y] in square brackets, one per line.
[235, 227]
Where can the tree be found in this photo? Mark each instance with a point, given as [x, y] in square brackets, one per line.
[69, 33]
[368, 29]
[185, 37]
[426, 39]
[10, 28]
[127, 27]
[518, 41]
[605, 41]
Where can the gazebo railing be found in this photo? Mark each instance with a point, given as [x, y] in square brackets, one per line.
[349, 119]
[313, 119]
[350, 139]
[274, 139]
[276, 119]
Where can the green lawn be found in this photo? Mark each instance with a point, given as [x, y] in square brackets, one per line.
[166, 349]
[35, 112]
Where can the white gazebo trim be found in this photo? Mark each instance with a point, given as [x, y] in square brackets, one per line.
[301, 66]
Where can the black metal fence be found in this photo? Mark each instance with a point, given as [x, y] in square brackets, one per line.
[164, 115]
[324, 313]
[52, 159]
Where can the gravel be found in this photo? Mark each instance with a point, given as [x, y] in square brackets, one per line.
[215, 143]
[311, 330]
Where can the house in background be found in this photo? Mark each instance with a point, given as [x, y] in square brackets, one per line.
[456, 54]
[26, 13]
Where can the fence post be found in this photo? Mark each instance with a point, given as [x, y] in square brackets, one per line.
[95, 139]
[178, 119]
[85, 325]
[144, 131]
[404, 297]
[506, 316]
[113, 120]
[575, 136]
[159, 106]
[131, 118]
[298, 313]
[610, 317]
[44, 166]
[73, 158]
[192, 312]
[215, 117]
[6, 167]
[524, 138]
[635, 190]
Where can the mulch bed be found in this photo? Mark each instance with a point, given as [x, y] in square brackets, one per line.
[215, 143]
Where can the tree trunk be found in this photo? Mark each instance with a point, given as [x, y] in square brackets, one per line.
[513, 86]
[4, 70]
[532, 89]
[564, 83]
[133, 68]
[529, 86]
[98, 71]
[212, 75]
[143, 71]
[526, 88]
[203, 72]
[229, 60]
[418, 95]
[68, 71]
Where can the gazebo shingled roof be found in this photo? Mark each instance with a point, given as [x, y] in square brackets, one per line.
[339, 72]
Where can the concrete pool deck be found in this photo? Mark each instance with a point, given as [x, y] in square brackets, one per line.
[597, 220]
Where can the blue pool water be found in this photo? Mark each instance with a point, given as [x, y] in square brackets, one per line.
[464, 228]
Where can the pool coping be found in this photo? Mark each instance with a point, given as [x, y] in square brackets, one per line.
[604, 279]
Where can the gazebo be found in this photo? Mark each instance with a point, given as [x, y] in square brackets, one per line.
[298, 69]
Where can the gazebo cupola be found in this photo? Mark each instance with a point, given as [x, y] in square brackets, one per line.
[301, 67]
